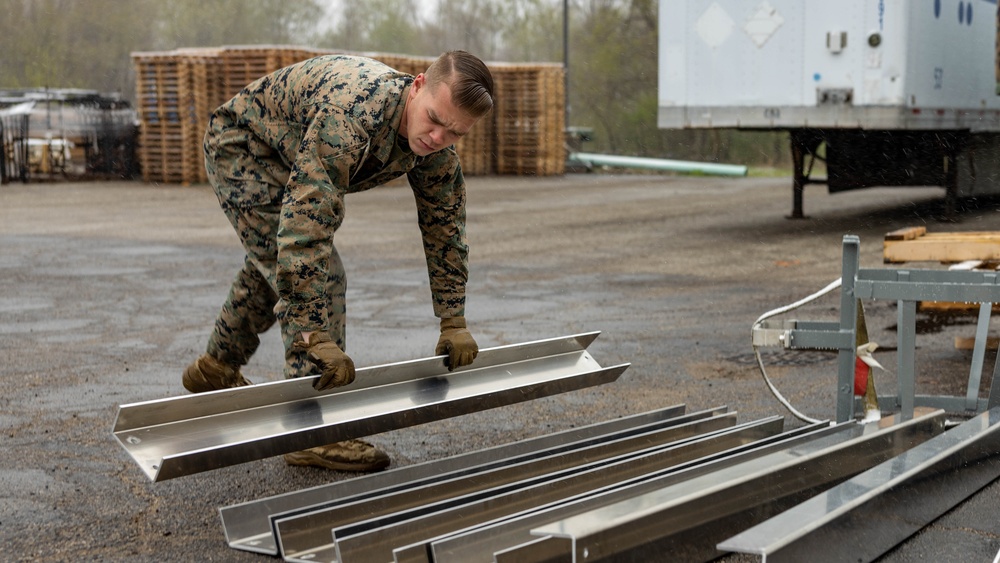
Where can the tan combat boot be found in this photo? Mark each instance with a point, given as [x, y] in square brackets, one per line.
[349, 455]
[209, 374]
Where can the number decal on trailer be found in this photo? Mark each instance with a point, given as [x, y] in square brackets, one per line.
[938, 77]
[772, 113]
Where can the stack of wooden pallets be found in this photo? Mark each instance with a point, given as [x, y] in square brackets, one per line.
[178, 90]
[202, 71]
[160, 86]
[244, 64]
[529, 119]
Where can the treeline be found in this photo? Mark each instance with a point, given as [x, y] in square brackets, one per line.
[612, 52]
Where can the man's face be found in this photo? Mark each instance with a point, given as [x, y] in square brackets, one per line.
[431, 122]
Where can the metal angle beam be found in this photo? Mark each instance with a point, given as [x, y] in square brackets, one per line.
[546, 550]
[883, 506]
[180, 436]
[477, 543]
[690, 518]
[301, 530]
[304, 535]
[248, 527]
[413, 530]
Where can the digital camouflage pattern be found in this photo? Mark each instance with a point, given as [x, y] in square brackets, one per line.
[281, 155]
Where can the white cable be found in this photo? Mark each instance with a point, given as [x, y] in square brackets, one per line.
[833, 285]
[756, 352]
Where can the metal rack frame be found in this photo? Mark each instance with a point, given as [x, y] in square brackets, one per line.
[906, 287]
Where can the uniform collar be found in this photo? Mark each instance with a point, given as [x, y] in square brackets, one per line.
[383, 144]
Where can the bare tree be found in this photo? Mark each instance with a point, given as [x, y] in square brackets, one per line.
[87, 43]
[388, 26]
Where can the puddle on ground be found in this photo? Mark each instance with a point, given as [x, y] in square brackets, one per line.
[933, 323]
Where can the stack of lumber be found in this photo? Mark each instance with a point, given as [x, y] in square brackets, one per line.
[979, 250]
[178, 90]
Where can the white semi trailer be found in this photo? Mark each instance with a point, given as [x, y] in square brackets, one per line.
[896, 92]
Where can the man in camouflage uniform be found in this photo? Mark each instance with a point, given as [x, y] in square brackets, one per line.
[282, 155]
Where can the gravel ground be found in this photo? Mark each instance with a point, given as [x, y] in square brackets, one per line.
[110, 289]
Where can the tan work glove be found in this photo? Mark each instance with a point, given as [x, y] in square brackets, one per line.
[456, 341]
[336, 367]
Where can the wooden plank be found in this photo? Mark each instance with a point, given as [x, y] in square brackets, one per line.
[971, 250]
[951, 307]
[940, 247]
[906, 233]
[969, 342]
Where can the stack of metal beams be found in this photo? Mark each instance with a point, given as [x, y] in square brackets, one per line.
[634, 489]
[691, 485]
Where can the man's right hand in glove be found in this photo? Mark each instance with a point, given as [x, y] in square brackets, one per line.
[457, 343]
[336, 367]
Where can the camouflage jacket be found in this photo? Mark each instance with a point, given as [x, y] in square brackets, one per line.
[308, 134]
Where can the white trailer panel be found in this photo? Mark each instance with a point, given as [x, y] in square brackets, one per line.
[868, 64]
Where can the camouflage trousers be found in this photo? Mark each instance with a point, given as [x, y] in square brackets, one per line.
[253, 306]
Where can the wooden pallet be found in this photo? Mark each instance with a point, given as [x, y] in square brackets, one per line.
[529, 119]
[178, 90]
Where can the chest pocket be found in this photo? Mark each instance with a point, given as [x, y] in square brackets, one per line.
[344, 165]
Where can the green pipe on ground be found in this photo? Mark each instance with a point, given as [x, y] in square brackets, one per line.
[590, 160]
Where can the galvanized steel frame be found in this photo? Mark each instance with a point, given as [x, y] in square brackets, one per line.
[906, 287]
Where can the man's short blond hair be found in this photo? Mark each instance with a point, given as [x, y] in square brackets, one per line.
[469, 79]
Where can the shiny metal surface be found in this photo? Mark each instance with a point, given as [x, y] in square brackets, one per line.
[690, 518]
[247, 525]
[179, 436]
[883, 506]
[301, 531]
[306, 535]
[506, 535]
[543, 550]
[414, 529]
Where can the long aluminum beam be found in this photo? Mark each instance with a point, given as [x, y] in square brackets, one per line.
[687, 519]
[411, 530]
[883, 506]
[479, 543]
[248, 525]
[302, 537]
[180, 436]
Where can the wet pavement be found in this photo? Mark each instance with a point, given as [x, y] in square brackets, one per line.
[110, 289]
